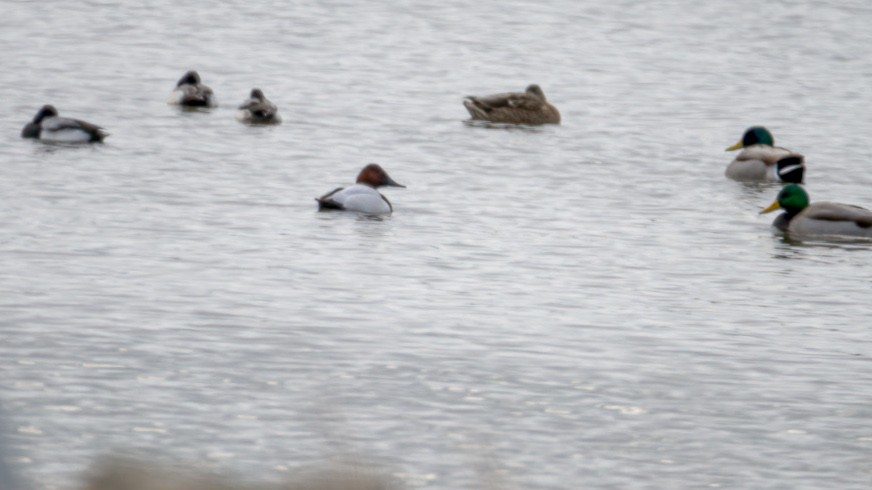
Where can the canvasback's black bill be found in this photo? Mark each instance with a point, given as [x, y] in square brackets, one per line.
[391, 182]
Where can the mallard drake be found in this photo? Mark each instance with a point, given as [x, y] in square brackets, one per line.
[191, 92]
[801, 217]
[257, 109]
[48, 126]
[529, 107]
[362, 196]
[758, 159]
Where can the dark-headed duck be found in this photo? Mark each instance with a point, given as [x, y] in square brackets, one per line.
[191, 92]
[48, 126]
[257, 109]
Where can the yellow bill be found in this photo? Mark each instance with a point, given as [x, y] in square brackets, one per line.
[772, 207]
[736, 146]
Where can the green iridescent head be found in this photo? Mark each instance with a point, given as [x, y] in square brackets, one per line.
[755, 135]
[791, 199]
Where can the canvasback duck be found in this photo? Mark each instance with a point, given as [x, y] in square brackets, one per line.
[759, 157]
[802, 217]
[361, 197]
[191, 92]
[48, 126]
[529, 107]
[257, 109]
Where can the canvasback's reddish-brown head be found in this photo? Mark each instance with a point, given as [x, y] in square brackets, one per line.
[375, 176]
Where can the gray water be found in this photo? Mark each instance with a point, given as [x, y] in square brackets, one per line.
[590, 305]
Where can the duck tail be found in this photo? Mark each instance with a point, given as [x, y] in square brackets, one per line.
[476, 110]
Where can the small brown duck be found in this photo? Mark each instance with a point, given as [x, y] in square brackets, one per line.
[257, 109]
[529, 107]
[191, 92]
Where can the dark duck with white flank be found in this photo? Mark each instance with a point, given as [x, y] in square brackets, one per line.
[48, 126]
[791, 169]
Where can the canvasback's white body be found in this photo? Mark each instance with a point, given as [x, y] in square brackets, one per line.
[361, 197]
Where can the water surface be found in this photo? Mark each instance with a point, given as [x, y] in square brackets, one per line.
[590, 305]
